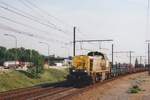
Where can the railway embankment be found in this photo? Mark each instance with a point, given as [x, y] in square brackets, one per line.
[18, 79]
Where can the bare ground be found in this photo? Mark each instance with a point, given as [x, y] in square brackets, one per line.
[118, 89]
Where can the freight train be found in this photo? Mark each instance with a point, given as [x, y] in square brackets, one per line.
[95, 67]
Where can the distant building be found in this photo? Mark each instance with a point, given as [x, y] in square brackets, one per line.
[54, 60]
[17, 64]
[59, 64]
[57, 61]
[67, 62]
[11, 64]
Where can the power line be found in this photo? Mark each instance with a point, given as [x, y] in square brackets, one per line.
[81, 33]
[22, 12]
[17, 13]
[45, 13]
[33, 19]
[31, 15]
[84, 36]
[47, 21]
[48, 14]
[5, 27]
[28, 26]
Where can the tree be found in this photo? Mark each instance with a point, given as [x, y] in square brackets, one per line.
[22, 54]
[2, 54]
[11, 54]
[136, 62]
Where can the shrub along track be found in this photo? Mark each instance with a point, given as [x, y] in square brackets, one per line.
[58, 92]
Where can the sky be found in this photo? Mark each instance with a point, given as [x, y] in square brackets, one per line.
[124, 21]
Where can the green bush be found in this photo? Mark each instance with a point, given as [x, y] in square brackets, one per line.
[134, 89]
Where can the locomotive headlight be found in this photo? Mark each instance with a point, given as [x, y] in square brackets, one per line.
[85, 71]
[73, 70]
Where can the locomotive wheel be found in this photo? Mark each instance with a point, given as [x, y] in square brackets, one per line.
[98, 78]
[108, 76]
[93, 79]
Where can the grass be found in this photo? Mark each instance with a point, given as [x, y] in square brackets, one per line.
[20, 79]
[134, 89]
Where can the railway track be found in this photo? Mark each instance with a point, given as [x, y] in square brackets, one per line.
[58, 92]
[31, 92]
[66, 95]
[82, 90]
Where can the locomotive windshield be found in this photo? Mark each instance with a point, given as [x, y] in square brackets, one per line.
[96, 53]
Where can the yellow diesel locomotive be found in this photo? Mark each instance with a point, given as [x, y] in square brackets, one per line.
[92, 67]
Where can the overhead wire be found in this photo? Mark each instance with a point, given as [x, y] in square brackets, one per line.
[22, 24]
[46, 13]
[35, 17]
[30, 15]
[8, 28]
[30, 18]
[29, 5]
[36, 8]
[42, 17]
[85, 36]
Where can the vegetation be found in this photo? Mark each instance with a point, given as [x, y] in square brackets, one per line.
[2, 54]
[136, 62]
[21, 79]
[35, 75]
[134, 89]
[22, 54]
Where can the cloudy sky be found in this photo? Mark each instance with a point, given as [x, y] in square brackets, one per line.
[52, 21]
